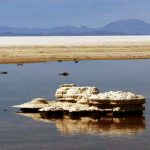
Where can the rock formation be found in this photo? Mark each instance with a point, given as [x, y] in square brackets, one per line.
[34, 105]
[109, 101]
[87, 100]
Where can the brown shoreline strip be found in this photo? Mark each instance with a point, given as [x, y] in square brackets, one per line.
[32, 54]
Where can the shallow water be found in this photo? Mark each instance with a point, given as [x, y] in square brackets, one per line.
[23, 83]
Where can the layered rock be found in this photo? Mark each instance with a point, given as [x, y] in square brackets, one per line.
[71, 93]
[82, 100]
[69, 107]
[109, 101]
[34, 105]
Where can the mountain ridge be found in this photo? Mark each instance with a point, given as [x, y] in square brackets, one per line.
[121, 27]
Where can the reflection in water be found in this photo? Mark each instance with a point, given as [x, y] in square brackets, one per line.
[19, 64]
[86, 125]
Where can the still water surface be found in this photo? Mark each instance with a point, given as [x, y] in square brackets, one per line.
[30, 131]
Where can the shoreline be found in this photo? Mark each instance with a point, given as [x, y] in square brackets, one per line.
[44, 54]
[15, 50]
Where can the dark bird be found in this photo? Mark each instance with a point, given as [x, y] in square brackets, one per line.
[76, 61]
[4, 72]
[19, 64]
[64, 74]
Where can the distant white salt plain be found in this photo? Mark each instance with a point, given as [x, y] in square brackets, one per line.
[73, 40]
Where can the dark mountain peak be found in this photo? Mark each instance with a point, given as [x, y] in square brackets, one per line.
[134, 20]
[129, 26]
[130, 21]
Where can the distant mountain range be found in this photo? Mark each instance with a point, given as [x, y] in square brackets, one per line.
[122, 27]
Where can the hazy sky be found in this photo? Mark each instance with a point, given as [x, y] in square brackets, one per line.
[51, 13]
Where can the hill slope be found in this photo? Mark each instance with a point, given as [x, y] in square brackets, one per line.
[122, 27]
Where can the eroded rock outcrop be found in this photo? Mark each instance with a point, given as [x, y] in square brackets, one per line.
[109, 101]
[34, 105]
[71, 93]
[68, 107]
[72, 99]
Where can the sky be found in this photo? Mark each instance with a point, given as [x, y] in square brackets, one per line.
[54, 13]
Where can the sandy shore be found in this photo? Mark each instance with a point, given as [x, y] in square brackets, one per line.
[42, 49]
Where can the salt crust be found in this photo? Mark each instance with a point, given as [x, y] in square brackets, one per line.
[87, 99]
[35, 103]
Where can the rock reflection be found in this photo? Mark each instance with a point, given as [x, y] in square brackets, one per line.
[127, 126]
